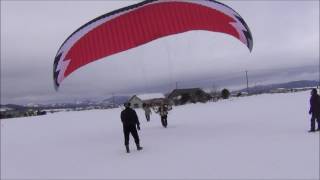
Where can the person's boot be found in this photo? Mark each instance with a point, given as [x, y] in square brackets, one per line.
[127, 148]
[311, 130]
[139, 147]
[163, 123]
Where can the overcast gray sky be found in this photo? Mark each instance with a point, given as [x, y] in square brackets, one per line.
[285, 35]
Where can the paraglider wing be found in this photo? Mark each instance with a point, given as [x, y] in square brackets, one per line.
[141, 23]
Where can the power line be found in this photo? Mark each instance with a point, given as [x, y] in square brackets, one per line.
[247, 81]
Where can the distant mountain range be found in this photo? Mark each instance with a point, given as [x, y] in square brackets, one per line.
[105, 103]
[119, 100]
[288, 85]
[13, 107]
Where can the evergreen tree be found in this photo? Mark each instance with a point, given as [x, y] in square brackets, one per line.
[225, 93]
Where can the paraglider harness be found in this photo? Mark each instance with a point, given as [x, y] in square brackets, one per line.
[162, 110]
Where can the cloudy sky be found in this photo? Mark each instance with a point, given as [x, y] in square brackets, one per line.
[285, 35]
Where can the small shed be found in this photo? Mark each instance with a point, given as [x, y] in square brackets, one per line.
[135, 101]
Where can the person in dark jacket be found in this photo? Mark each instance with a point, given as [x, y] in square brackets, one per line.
[314, 110]
[130, 123]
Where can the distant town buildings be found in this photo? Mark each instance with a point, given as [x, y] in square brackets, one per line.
[176, 97]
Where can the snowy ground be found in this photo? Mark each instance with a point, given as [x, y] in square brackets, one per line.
[261, 136]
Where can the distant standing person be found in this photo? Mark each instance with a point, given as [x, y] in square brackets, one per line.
[147, 111]
[163, 111]
[314, 110]
[130, 123]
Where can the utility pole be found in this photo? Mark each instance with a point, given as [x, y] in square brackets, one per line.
[214, 92]
[214, 88]
[177, 85]
[113, 101]
[247, 81]
[319, 76]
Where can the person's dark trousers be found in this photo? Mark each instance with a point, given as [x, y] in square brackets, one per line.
[315, 118]
[148, 117]
[164, 121]
[318, 121]
[130, 129]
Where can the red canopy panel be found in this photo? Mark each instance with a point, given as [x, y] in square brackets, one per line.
[141, 23]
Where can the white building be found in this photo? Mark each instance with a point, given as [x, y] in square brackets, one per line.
[136, 101]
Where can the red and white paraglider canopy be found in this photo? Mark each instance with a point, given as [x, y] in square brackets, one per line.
[141, 23]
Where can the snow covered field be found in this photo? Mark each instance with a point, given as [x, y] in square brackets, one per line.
[261, 136]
